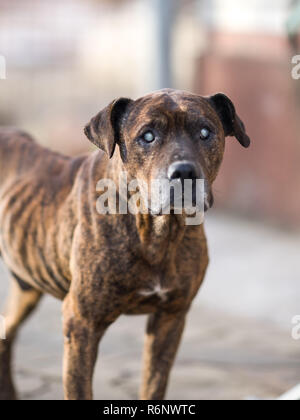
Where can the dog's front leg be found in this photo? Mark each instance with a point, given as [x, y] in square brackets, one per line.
[163, 336]
[81, 341]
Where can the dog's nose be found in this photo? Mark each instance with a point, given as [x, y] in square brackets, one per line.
[182, 171]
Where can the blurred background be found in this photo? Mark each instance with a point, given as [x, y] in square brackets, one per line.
[65, 60]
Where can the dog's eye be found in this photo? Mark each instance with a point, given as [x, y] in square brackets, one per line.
[205, 133]
[148, 137]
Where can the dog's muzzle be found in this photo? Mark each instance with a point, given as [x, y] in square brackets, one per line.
[193, 184]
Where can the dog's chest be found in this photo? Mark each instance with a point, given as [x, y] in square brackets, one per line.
[156, 290]
[143, 282]
[152, 290]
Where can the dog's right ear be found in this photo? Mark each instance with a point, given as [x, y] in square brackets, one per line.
[104, 129]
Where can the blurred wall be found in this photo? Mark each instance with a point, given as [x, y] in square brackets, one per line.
[68, 58]
[248, 57]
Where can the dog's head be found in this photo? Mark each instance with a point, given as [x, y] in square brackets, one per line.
[170, 135]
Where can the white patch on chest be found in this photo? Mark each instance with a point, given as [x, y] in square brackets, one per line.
[157, 290]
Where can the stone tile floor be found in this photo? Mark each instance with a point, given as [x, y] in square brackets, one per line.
[237, 343]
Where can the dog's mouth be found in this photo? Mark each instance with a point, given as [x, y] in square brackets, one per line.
[193, 196]
[205, 203]
[209, 201]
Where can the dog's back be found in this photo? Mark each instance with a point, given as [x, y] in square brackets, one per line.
[14, 146]
[20, 156]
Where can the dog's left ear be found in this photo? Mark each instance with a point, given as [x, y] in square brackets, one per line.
[232, 124]
[104, 129]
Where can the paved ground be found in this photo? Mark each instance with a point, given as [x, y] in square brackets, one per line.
[238, 341]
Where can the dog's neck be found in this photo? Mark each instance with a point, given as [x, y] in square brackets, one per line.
[159, 235]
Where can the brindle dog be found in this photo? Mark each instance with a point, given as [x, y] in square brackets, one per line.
[54, 241]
